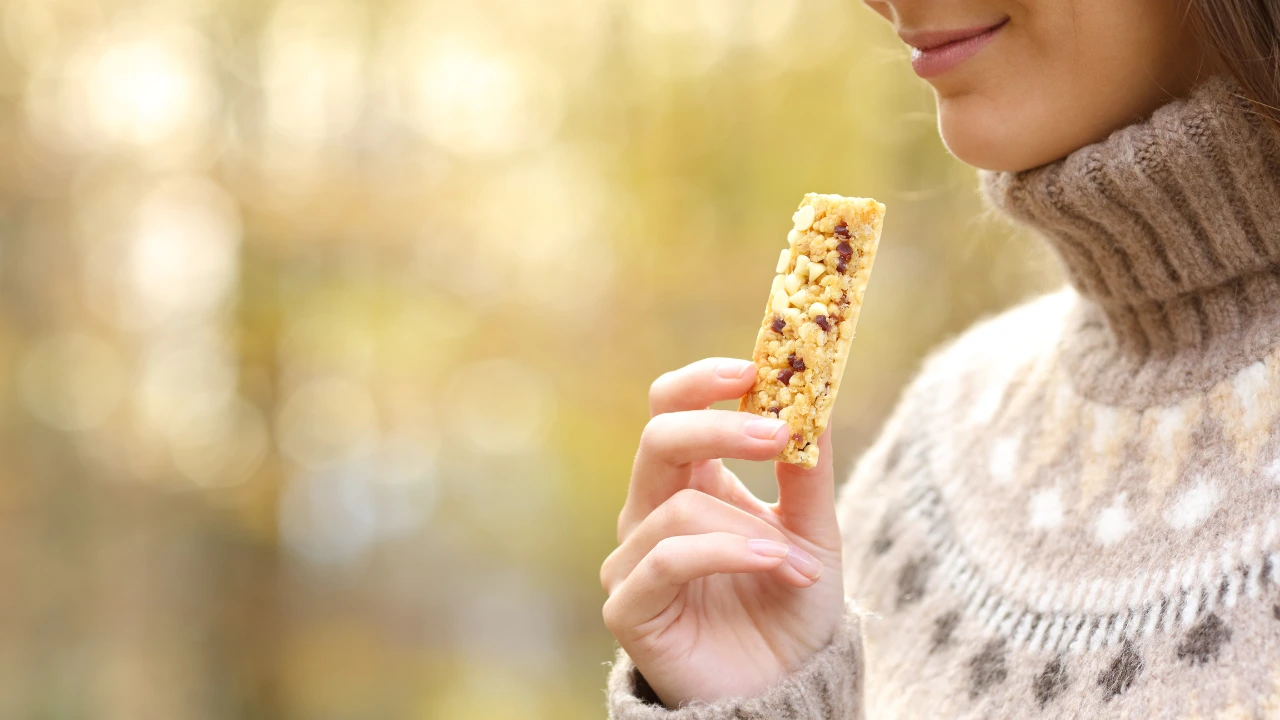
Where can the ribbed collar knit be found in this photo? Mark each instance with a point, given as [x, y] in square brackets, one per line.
[1169, 230]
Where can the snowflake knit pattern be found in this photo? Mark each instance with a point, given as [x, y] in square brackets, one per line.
[1074, 511]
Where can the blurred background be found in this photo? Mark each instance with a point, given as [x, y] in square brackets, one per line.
[326, 326]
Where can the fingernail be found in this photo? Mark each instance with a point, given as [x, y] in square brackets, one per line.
[768, 548]
[763, 428]
[733, 369]
[807, 564]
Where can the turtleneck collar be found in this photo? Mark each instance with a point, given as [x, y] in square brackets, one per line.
[1169, 230]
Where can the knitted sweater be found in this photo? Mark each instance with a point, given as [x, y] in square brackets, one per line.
[1074, 511]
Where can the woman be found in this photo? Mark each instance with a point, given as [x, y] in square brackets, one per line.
[1073, 510]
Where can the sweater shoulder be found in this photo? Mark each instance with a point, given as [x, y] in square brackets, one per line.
[983, 359]
[960, 382]
[996, 344]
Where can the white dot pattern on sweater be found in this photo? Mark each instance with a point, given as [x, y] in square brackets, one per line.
[1194, 505]
[1004, 459]
[1046, 509]
[1113, 523]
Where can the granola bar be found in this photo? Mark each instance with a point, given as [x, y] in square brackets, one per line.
[808, 324]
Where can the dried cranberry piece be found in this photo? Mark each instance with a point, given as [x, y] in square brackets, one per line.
[823, 323]
[784, 377]
[845, 250]
[797, 364]
[842, 230]
[775, 410]
[778, 323]
[841, 265]
[798, 437]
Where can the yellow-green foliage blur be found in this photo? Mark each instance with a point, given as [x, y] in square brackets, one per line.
[327, 326]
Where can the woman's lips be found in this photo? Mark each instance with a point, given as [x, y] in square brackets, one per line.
[935, 53]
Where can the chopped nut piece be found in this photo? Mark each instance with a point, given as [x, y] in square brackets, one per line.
[780, 301]
[803, 218]
[792, 284]
[814, 304]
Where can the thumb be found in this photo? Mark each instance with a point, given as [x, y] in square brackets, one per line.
[807, 499]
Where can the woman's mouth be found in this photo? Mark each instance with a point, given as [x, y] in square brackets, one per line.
[934, 53]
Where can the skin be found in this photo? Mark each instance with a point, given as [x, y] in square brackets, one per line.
[701, 613]
[1061, 74]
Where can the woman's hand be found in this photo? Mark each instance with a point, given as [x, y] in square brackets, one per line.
[712, 592]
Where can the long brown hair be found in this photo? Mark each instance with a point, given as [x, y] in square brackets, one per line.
[1246, 36]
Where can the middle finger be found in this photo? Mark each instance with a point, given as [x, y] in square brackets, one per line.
[672, 442]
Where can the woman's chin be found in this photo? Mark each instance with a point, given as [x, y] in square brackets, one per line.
[992, 141]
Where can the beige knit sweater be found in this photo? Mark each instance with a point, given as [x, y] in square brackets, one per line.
[1074, 512]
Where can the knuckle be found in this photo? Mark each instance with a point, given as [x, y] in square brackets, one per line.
[679, 511]
[658, 388]
[609, 571]
[606, 576]
[652, 432]
[687, 497]
[663, 557]
[687, 501]
[610, 614]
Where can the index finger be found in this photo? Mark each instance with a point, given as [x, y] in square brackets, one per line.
[698, 384]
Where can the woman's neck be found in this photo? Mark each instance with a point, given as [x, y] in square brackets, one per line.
[1170, 231]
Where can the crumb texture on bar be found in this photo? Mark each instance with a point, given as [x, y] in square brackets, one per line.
[809, 319]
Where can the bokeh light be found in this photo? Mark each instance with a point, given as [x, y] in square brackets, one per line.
[472, 99]
[183, 261]
[144, 85]
[329, 324]
[71, 381]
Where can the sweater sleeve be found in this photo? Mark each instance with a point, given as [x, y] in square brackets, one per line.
[827, 686]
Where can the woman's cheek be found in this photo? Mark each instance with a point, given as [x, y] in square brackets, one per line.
[1041, 112]
[1064, 75]
[1010, 125]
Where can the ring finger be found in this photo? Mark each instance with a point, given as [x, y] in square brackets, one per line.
[690, 512]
